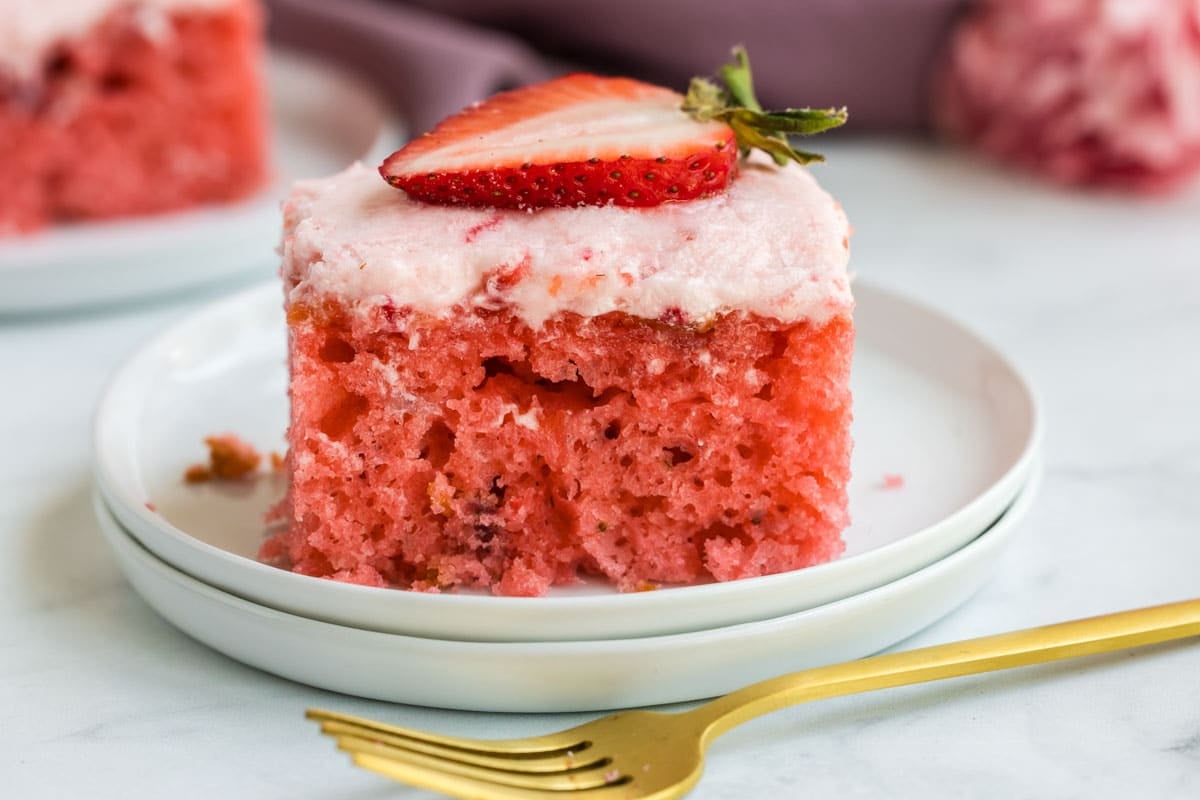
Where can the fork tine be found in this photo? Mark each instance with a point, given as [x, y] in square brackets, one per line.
[562, 744]
[513, 762]
[592, 777]
[442, 782]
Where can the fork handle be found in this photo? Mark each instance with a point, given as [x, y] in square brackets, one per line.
[1082, 637]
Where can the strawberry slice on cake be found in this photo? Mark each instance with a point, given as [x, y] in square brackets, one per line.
[588, 140]
[591, 335]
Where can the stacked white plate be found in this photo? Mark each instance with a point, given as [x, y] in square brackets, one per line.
[945, 465]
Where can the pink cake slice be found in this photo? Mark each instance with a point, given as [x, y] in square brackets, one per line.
[125, 107]
[511, 400]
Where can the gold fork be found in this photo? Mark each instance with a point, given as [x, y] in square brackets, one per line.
[655, 756]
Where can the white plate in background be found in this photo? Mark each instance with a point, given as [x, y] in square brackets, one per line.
[933, 404]
[321, 119]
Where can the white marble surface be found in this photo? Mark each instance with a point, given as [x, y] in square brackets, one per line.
[1097, 298]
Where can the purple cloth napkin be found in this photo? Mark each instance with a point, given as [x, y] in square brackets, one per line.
[435, 56]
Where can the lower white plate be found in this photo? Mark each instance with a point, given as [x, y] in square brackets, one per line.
[559, 676]
[933, 404]
[93, 263]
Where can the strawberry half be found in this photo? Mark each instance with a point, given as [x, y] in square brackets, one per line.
[589, 140]
[576, 140]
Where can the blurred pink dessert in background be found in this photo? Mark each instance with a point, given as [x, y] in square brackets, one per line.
[510, 398]
[111, 108]
[1088, 92]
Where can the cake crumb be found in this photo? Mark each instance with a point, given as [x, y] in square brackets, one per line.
[612, 776]
[278, 461]
[197, 473]
[230, 458]
[153, 509]
[892, 480]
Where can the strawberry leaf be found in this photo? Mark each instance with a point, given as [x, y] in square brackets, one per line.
[756, 129]
[705, 100]
[800, 121]
[777, 147]
[738, 80]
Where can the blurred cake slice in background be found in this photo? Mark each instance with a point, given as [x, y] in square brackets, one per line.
[113, 108]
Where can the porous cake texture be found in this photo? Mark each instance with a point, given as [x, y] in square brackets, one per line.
[112, 108]
[513, 400]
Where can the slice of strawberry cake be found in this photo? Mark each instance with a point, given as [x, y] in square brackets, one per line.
[121, 107]
[589, 337]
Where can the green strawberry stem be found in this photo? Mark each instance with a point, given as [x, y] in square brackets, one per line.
[736, 106]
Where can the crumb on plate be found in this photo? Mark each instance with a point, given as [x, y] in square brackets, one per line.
[230, 458]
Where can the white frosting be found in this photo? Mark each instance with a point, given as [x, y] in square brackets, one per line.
[775, 244]
[29, 27]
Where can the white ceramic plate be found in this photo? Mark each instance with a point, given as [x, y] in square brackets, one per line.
[559, 676]
[103, 262]
[933, 404]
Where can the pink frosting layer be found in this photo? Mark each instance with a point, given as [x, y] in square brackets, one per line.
[775, 244]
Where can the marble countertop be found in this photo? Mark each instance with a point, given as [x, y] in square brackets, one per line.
[1097, 298]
